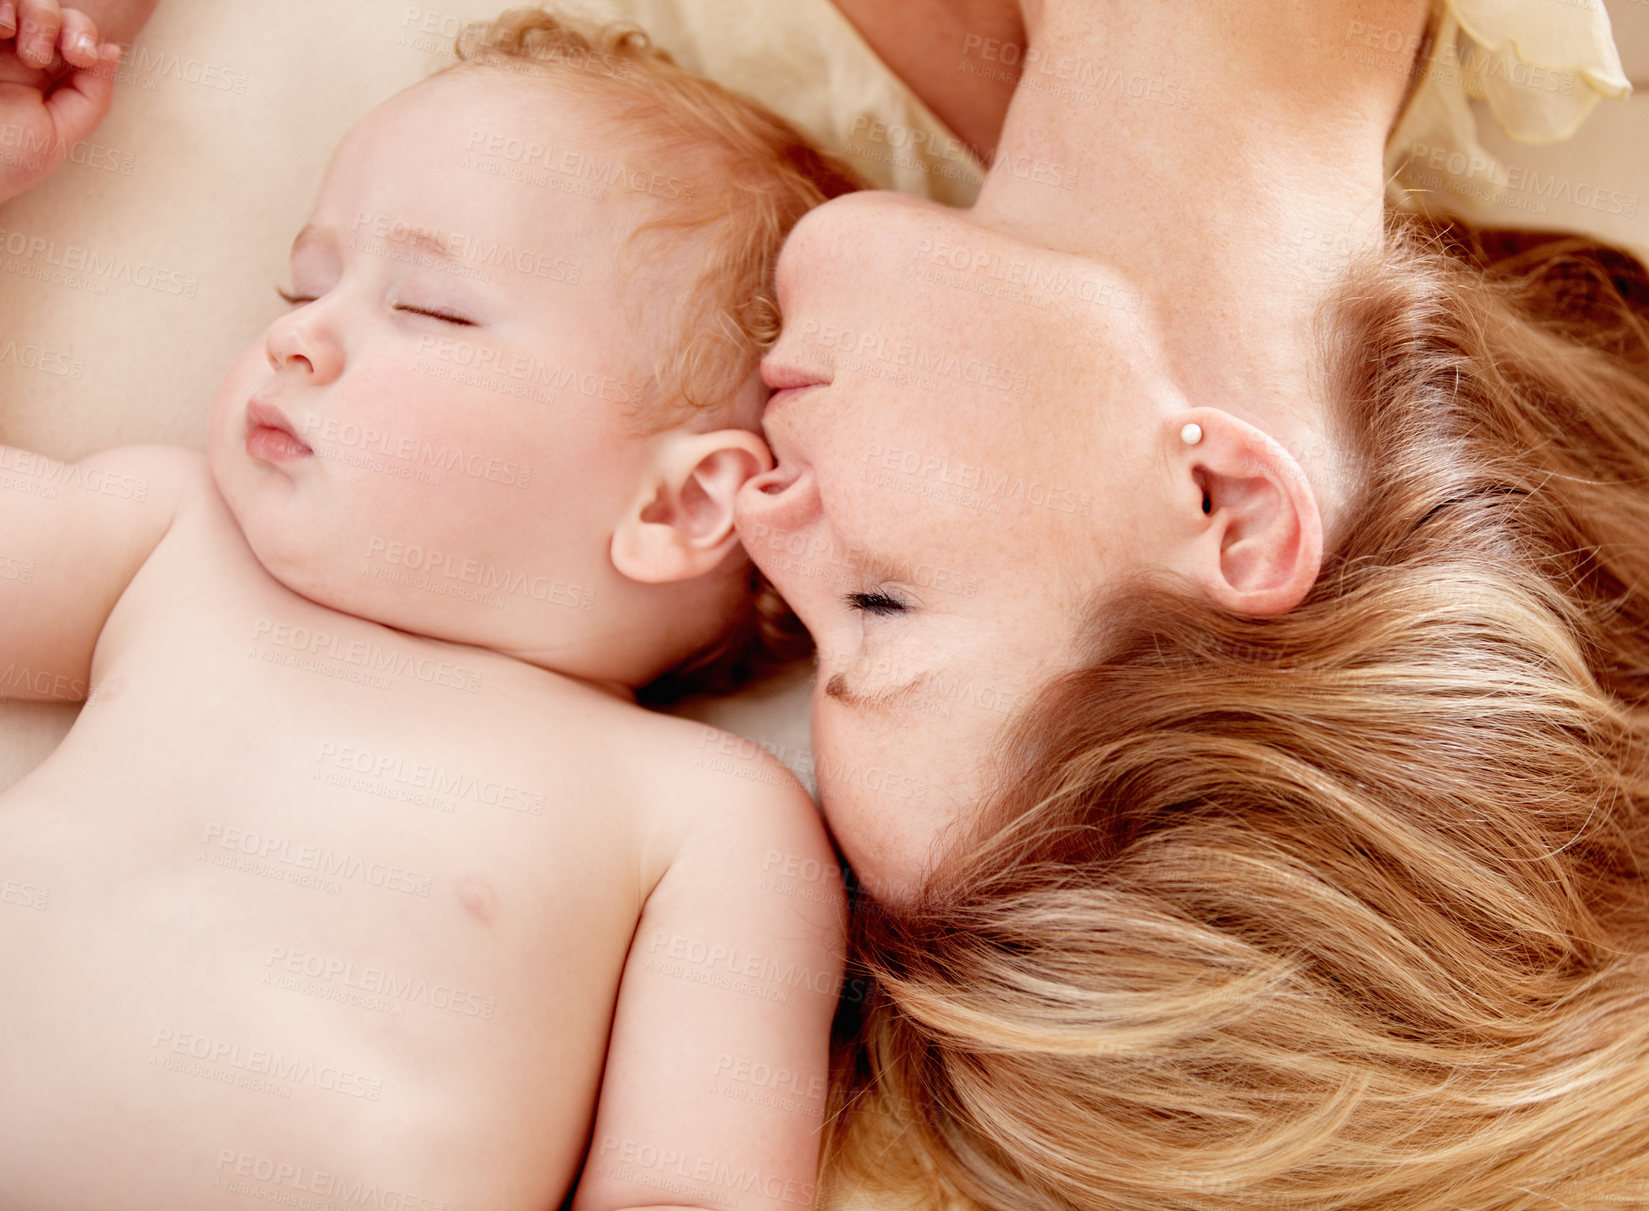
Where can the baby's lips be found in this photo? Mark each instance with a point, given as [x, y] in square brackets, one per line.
[271, 433]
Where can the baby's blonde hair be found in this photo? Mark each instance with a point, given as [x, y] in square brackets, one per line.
[739, 177]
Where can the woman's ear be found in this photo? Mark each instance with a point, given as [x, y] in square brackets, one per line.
[681, 524]
[1256, 533]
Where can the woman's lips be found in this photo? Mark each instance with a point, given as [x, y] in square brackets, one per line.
[787, 382]
[270, 436]
[778, 376]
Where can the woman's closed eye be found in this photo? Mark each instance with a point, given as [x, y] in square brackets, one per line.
[878, 602]
[293, 300]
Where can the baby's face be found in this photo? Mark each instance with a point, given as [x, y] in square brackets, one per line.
[434, 435]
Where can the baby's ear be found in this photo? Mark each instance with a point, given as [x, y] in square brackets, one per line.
[681, 524]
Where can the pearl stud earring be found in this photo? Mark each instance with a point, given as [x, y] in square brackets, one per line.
[1191, 434]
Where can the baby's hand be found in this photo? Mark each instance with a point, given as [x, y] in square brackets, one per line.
[56, 82]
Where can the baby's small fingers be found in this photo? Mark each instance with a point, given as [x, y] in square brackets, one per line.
[8, 19]
[78, 41]
[38, 23]
[79, 104]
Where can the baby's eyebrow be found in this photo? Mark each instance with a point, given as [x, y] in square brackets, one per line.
[416, 237]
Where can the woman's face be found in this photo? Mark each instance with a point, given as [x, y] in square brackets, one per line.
[963, 427]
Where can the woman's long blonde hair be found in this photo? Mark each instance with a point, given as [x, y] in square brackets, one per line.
[1340, 909]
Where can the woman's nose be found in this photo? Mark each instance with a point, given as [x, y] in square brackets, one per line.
[303, 340]
[777, 505]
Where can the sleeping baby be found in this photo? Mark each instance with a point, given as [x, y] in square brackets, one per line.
[362, 881]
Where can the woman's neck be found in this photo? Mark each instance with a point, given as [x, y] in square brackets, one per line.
[1227, 158]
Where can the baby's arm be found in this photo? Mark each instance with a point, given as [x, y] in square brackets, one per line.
[72, 536]
[717, 1068]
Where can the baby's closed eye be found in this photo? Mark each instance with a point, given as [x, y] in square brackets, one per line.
[294, 299]
[444, 316]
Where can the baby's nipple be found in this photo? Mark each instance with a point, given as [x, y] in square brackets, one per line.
[477, 897]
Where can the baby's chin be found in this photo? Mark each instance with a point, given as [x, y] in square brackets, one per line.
[303, 555]
[327, 567]
[313, 573]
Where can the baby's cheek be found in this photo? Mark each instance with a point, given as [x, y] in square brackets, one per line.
[247, 375]
[381, 507]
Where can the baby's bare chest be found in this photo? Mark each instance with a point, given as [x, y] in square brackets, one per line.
[251, 720]
[299, 736]
[290, 867]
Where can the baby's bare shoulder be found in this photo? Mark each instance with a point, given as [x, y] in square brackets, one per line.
[735, 818]
[738, 806]
[657, 756]
[709, 763]
[688, 796]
